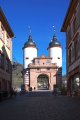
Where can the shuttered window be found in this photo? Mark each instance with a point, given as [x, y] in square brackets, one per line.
[78, 45]
[74, 26]
[76, 49]
[69, 35]
[72, 52]
[1, 61]
[78, 16]
[69, 56]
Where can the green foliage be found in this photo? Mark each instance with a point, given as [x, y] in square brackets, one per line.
[17, 76]
[63, 90]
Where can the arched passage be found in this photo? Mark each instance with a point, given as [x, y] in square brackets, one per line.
[43, 82]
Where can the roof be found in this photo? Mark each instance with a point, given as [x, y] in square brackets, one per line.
[54, 42]
[5, 23]
[29, 43]
[71, 9]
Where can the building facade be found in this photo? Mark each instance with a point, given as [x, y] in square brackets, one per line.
[42, 73]
[6, 36]
[71, 26]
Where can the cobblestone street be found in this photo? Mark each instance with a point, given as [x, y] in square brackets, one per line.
[40, 106]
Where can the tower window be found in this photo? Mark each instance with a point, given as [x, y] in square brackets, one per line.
[58, 57]
[27, 58]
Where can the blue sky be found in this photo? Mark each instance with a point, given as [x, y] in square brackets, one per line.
[41, 15]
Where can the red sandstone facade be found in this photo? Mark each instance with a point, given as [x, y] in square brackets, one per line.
[42, 74]
[71, 26]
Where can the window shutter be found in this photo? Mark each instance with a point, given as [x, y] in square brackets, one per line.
[72, 55]
[78, 16]
[78, 45]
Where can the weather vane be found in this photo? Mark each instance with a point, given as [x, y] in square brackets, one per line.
[54, 30]
[29, 28]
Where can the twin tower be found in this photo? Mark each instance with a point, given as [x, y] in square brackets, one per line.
[30, 53]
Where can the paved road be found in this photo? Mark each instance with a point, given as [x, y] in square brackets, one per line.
[40, 106]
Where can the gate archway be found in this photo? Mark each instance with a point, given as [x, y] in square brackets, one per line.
[43, 82]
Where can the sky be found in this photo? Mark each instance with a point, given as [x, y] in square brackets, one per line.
[41, 16]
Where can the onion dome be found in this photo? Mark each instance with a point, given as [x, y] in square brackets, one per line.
[54, 42]
[30, 42]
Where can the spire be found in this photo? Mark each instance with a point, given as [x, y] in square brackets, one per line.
[30, 42]
[54, 42]
[54, 36]
[30, 37]
[54, 31]
[29, 28]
